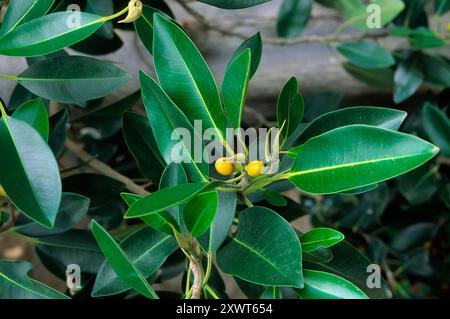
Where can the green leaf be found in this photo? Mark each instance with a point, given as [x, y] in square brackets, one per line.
[16, 284]
[120, 262]
[144, 27]
[293, 17]
[163, 221]
[23, 11]
[360, 190]
[413, 236]
[221, 225]
[272, 293]
[140, 141]
[29, 172]
[419, 185]
[437, 126]
[346, 7]
[72, 209]
[368, 115]
[322, 285]
[266, 242]
[366, 54]
[290, 108]
[199, 213]
[383, 77]
[235, 87]
[424, 38]
[49, 33]
[55, 79]
[355, 156]
[255, 45]
[320, 238]
[146, 248]
[173, 175]
[166, 120]
[274, 198]
[436, 70]
[389, 9]
[34, 114]
[441, 6]
[71, 247]
[185, 77]
[166, 198]
[407, 78]
[233, 4]
[102, 8]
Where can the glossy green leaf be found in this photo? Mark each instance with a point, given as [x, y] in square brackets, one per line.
[266, 242]
[383, 77]
[441, 6]
[15, 283]
[71, 247]
[166, 198]
[368, 115]
[320, 238]
[49, 33]
[407, 78]
[174, 174]
[235, 87]
[413, 236]
[29, 172]
[140, 141]
[35, 114]
[346, 7]
[436, 70]
[144, 27]
[163, 221]
[437, 126]
[255, 45]
[72, 209]
[146, 248]
[23, 11]
[366, 54]
[322, 285]
[388, 10]
[293, 17]
[419, 185]
[72, 79]
[233, 4]
[355, 156]
[166, 121]
[120, 262]
[185, 76]
[199, 213]
[274, 198]
[360, 190]
[290, 108]
[272, 293]
[221, 225]
[424, 38]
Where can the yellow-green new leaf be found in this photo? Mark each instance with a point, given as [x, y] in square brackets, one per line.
[120, 262]
[355, 156]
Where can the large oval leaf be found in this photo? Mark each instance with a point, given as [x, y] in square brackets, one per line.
[23, 11]
[266, 242]
[366, 54]
[72, 79]
[29, 172]
[146, 248]
[368, 115]
[120, 262]
[49, 33]
[15, 283]
[290, 108]
[168, 123]
[320, 238]
[185, 76]
[293, 17]
[255, 45]
[323, 285]
[355, 156]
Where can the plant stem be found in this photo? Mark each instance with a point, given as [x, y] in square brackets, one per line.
[104, 168]
[198, 278]
[211, 292]
[245, 199]
[208, 268]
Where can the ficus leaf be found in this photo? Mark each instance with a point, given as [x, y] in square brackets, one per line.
[366, 54]
[120, 262]
[49, 33]
[293, 17]
[255, 45]
[199, 212]
[290, 108]
[35, 114]
[320, 238]
[437, 126]
[29, 172]
[355, 156]
[235, 86]
[264, 241]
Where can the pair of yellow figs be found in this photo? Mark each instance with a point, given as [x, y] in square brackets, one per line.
[225, 167]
